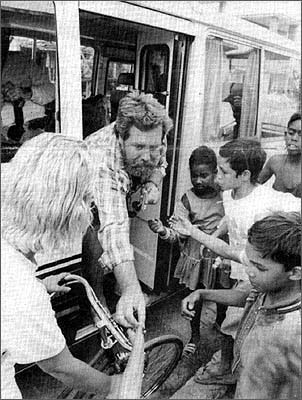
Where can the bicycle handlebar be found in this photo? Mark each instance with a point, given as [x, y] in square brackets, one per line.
[104, 317]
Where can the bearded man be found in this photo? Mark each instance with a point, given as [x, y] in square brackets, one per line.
[126, 153]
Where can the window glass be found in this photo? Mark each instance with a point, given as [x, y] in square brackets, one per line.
[28, 76]
[120, 76]
[119, 82]
[154, 71]
[281, 93]
[87, 57]
[231, 90]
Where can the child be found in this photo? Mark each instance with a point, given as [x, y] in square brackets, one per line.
[240, 162]
[267, 350]
[287, 167]
[202, 205]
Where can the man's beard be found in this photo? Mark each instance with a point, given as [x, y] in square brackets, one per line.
[142, 171]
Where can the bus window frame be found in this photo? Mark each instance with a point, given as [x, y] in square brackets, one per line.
[144, 49]
[212, 33]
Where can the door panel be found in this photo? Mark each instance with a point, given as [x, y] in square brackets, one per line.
[153, 257]
[144, 241]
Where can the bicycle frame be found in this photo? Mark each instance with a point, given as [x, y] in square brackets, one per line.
[102, 319]
[131, 359]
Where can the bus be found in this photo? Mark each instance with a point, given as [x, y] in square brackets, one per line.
[189, 60]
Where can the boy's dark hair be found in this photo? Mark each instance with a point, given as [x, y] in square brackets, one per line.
[244, 154]
[203, 155]
[278, 237]
[293, 118]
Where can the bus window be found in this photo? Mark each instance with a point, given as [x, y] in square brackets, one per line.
[281, 93]
[231, 90]
[154, 71]
[119, 82]
[28, 74]
[87, 57]
[122, 70]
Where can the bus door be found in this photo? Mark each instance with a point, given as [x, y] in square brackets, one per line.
[161, 67]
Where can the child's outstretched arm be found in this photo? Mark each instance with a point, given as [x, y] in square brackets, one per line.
[165, 233]
[184, 227]
[222, 228]
[228, 297]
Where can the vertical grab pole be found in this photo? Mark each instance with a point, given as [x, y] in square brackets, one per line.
[69, 67]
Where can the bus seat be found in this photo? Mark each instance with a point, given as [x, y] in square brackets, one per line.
[126, 79]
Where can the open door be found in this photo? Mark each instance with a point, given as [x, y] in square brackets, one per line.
[154, 64]
[161, 65]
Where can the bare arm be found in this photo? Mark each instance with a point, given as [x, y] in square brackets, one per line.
[76, 373]
[228, 297]
[217, 245]
[132, 296]
[222, 228]
[266, 173]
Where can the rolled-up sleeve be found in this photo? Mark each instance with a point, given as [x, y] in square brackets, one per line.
[109, 192]
[114, 222]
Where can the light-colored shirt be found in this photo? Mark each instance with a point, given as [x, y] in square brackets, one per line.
[242, 213]
[267, 350]
[111, 184]
[29, 331]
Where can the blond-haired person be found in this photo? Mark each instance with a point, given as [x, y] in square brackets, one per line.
[45, 205]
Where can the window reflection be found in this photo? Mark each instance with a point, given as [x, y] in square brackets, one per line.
[231, 90]
[281, 93]
[155, 60]
[28, 76]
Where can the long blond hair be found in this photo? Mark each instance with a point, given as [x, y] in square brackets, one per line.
[46, 198]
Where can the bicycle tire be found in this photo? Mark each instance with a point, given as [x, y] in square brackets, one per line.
[157, 370]
[151, 384]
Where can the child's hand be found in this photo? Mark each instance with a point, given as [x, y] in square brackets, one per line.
[188, 305]
[156, 226]
[52, 283]
[181, 225]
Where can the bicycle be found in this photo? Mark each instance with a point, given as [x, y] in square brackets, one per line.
[161, 353]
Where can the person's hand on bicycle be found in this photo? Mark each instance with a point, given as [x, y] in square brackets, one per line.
[188, 305]
[53, 283]
[132, 301]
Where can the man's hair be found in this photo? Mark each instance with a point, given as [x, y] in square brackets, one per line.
[244, 154]
[203, 155]
[293, 118]
[46, 198]
[142, 111]
[278, 237]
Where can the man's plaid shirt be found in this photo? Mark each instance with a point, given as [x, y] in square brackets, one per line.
[110, 186]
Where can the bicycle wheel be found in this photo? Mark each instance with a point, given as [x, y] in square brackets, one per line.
[161, 357]
[163, 354]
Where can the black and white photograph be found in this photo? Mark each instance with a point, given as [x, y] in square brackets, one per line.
[151, 200]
